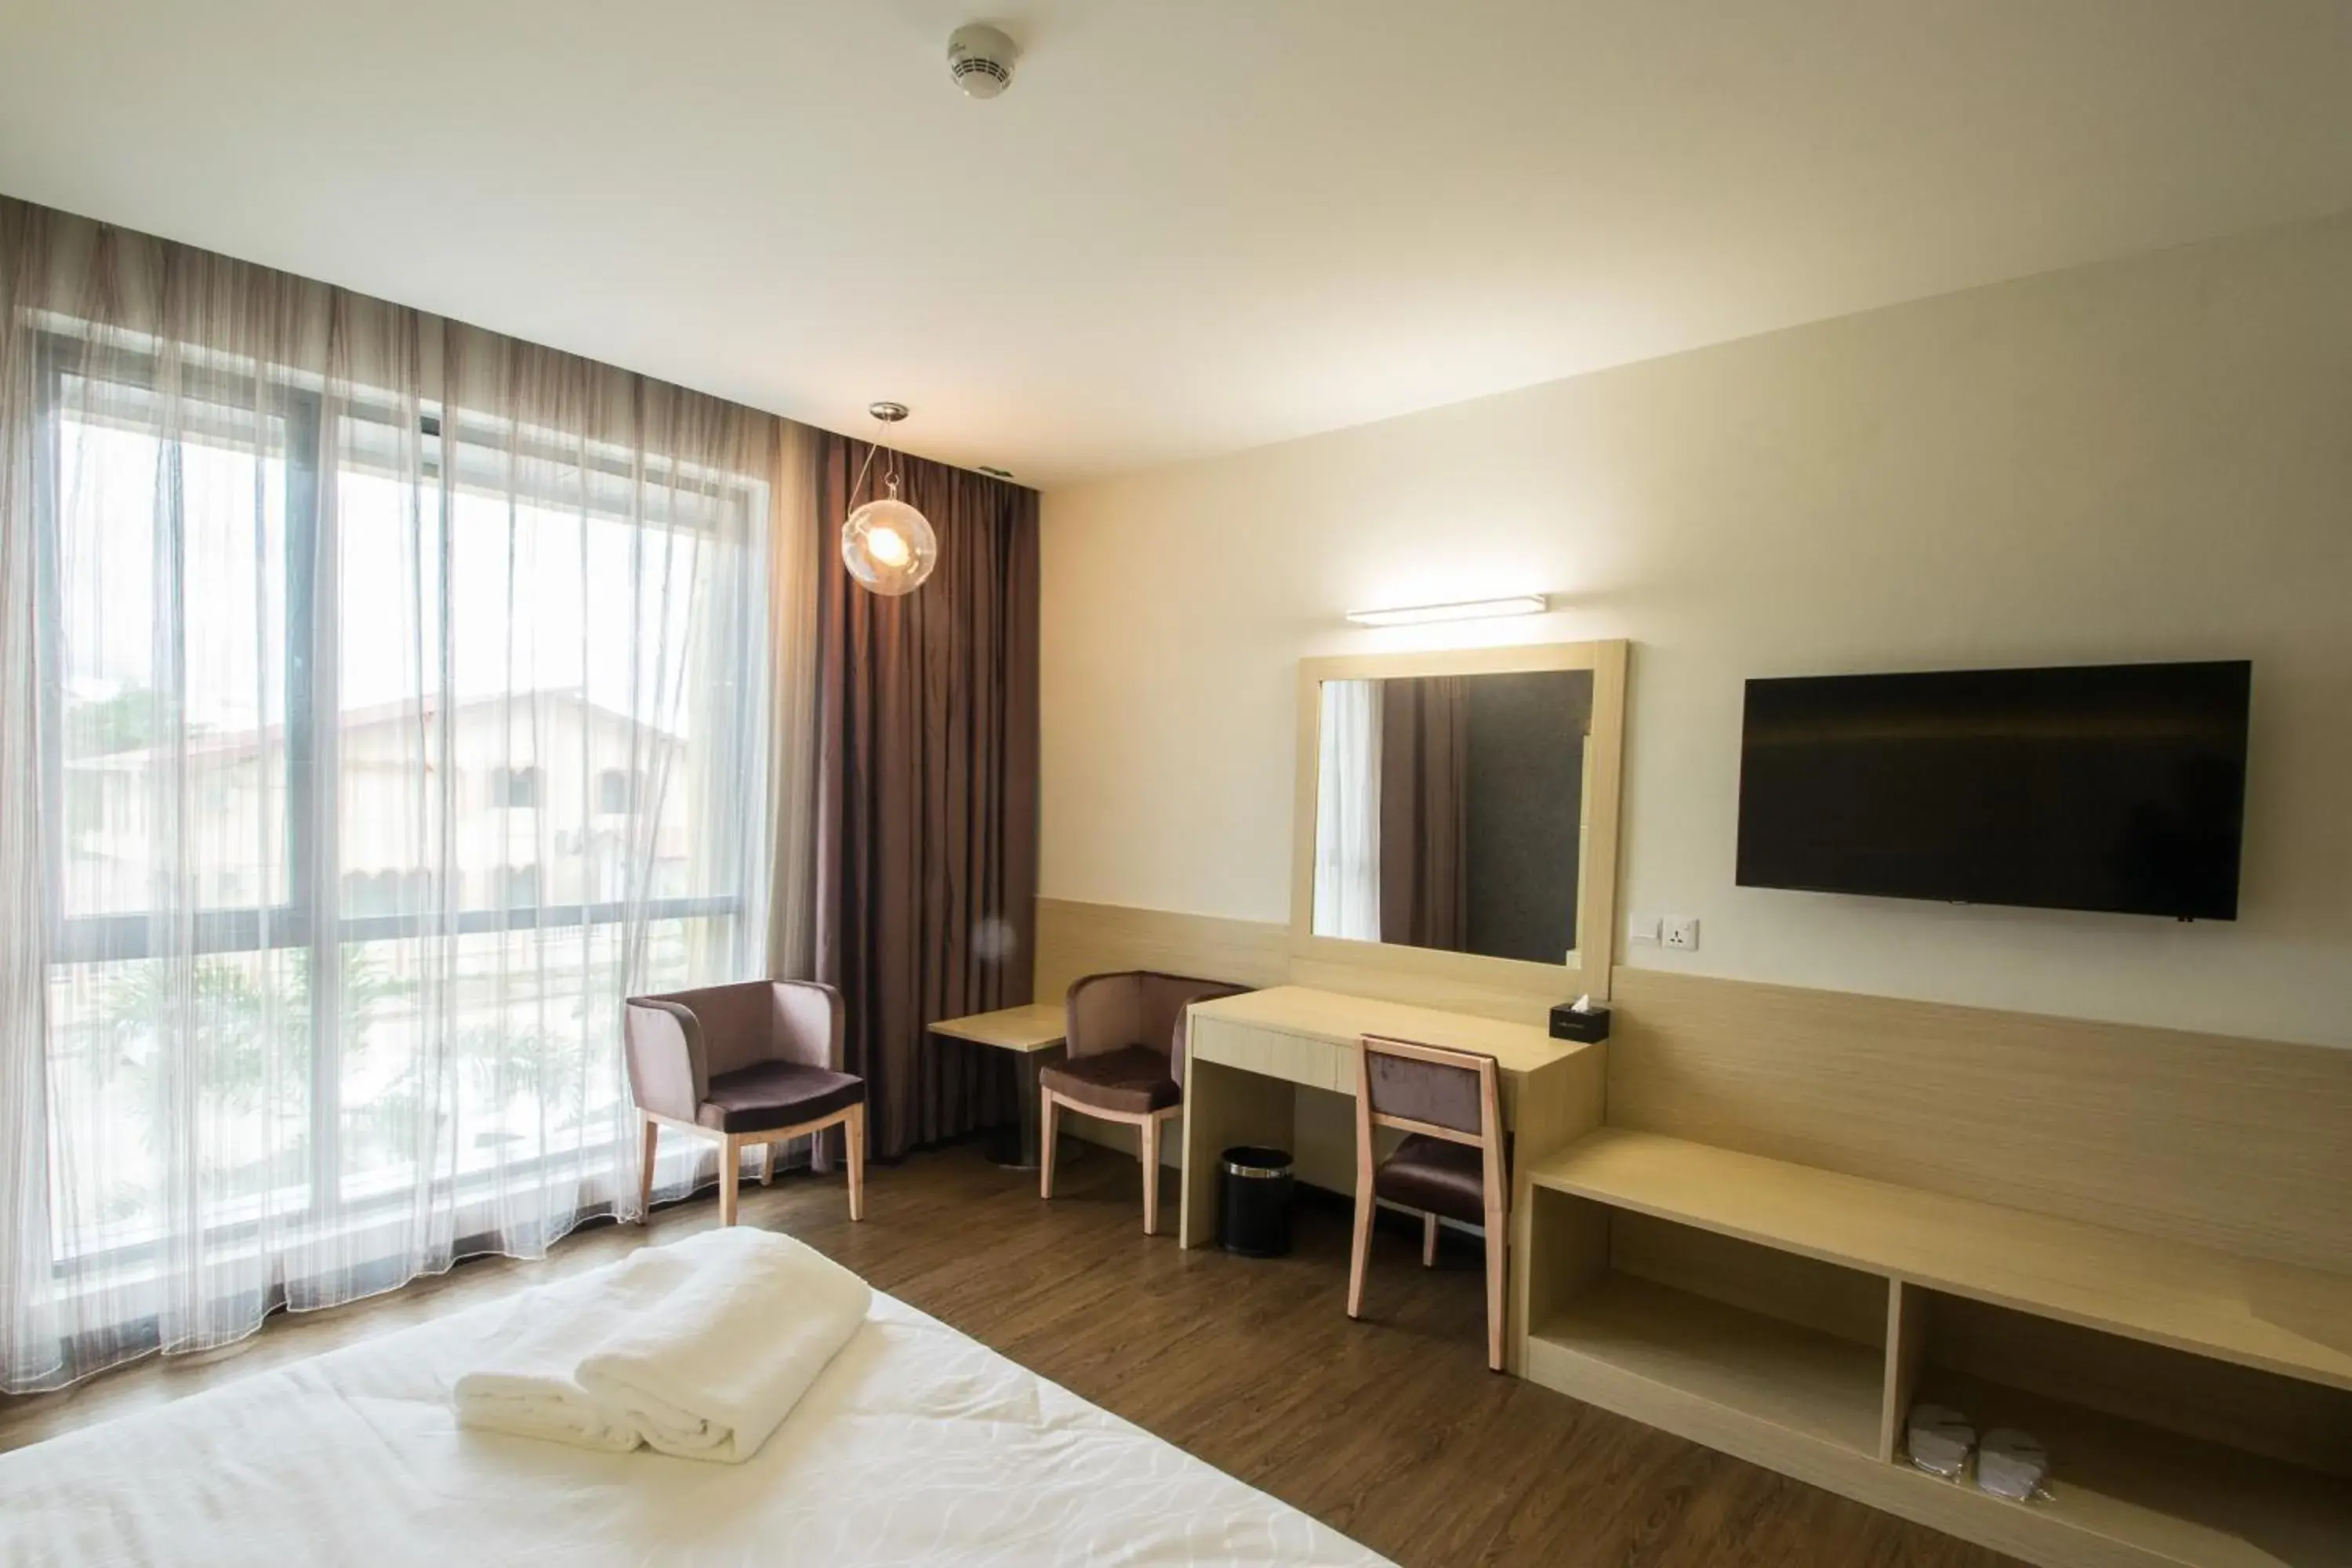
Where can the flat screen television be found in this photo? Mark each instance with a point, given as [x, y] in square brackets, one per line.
[2111, 787]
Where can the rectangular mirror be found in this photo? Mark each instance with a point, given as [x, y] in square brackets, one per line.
[1452, 807]
[1450, 811]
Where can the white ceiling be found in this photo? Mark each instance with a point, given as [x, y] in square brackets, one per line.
[1189, 226]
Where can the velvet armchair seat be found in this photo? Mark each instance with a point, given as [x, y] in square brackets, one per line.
[755, 1063]
[1125, 1062]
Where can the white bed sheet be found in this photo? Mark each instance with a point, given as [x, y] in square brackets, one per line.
[917, 1445]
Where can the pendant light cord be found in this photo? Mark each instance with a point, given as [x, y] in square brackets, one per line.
[889, 476]
[859, 483]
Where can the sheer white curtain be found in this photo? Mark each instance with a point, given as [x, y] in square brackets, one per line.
[384, 700]
[1347, 811]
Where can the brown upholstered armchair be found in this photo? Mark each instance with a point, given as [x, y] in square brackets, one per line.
[1125, 1062]
[758, 1062]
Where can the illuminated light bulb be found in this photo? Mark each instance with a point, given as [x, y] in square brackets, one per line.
[888, 547]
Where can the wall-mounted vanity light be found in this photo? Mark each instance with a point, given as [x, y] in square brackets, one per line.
[1466, 610]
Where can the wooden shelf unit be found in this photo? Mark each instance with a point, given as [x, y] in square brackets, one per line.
[1726, 1313]
[2256, 1313]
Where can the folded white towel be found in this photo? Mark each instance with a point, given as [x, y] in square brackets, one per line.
[745, 1321]
[530, 1385]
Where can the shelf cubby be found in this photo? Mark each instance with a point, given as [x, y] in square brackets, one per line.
[2174, 1456]
[2197, 1406]
[1665, 1343]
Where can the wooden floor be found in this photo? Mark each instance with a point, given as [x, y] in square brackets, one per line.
[1390, 1429]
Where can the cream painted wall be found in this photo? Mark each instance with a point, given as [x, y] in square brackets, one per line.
[2148, 459]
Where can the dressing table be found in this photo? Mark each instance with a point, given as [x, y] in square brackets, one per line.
[1454, 876]
[1247, 1055]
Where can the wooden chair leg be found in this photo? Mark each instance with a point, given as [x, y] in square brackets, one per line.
[1360, 1252]
[855, 1138]
[1498, 1293]
[1149, 1155]
[730, 1169]
[1429, 1241]
[645, 1170]
[767, 1164]
[1048, 1136]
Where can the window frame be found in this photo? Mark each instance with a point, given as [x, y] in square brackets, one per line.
[126, 936]
[297, 922]
[509, 783]
[92, 939]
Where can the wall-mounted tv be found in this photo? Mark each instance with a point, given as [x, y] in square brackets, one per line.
[2111, 787]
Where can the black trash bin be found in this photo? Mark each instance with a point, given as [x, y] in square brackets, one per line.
[1254, 1207]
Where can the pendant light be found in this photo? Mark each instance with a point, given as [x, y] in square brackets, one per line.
[887, 545]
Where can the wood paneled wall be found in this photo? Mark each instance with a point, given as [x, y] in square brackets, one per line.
[2245, 1145]
[1076, 939]
[2236, 1143]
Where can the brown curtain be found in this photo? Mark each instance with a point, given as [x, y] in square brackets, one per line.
[1424, 777]
[927, 793]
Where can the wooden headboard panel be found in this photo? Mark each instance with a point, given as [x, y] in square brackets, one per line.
[1075, 939]
[2240, 1144]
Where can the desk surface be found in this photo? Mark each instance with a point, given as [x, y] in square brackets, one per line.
[1032, 1027]
[1341, 1019]
[2261, 1314]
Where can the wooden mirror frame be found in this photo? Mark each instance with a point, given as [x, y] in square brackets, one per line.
[1596, 898]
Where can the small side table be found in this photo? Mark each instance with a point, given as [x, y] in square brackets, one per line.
[1034, 1033]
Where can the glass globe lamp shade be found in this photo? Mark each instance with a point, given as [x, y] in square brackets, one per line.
[888, 547]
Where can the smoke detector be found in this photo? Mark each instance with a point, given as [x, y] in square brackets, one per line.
[981, 59]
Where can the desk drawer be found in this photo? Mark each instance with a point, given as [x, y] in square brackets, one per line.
[1294, 1059]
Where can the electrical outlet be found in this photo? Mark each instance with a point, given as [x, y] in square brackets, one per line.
[1682, 931]
[1643, 928]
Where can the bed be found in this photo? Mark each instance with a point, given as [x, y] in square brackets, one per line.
[917, 1445]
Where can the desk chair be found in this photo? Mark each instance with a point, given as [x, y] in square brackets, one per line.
[1124, 1062]
[1451, 1165]
[755, 1063]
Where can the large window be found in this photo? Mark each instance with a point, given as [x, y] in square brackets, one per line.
[392, 748]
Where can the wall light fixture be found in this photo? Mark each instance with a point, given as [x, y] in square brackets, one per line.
[1465, 610]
